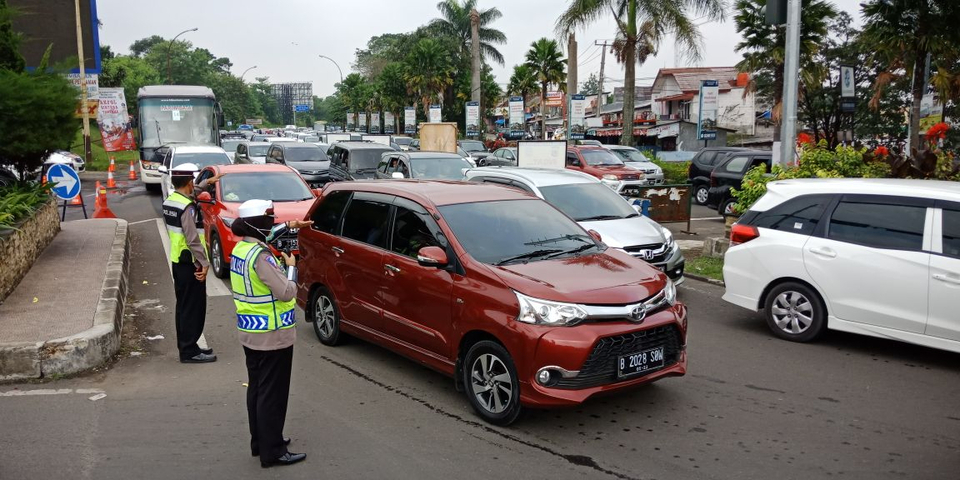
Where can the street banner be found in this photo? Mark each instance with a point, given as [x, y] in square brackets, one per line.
[554, 99]
[351, 121]
[389, 123]
[516, 117]
[115, 128]
[435, 116]
[931, 111]
[709, 104]
[578, 107]
[848, 87]
[93, 93]
[409, 120]
[473, 119]
[362, 122]
[375, 123]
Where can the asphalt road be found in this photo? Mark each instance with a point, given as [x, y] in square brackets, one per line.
[751, 407]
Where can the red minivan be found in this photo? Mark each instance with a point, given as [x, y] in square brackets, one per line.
[491, 286]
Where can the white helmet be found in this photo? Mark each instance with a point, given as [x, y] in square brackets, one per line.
[255, 208]
[185, 169]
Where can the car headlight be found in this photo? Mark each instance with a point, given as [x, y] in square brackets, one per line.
[668, 238]
[149, 165]
[670, 292]
[228, 221]
[545, 312]
[610, 177]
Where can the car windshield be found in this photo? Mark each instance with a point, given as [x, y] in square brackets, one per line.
[230, 145]
[304, 153]
[276, 186]
[472, 146]
[402, 140]
[366, 158]
[201, 159]
[600, 157]
[586, 202]
[257, 150]
[445, 168]
[630, 155]
[509, 231]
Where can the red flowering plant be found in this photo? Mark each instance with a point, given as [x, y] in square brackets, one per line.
[937, 132]
[804, 138]
[881, 152]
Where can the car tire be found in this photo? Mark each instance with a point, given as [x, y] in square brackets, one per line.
[152, 187]
[325, 316]
[726, 208]
[795, 312]
[491, 384]
[700, 194]
[218, 260]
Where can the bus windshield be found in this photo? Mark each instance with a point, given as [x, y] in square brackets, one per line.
[188, 120]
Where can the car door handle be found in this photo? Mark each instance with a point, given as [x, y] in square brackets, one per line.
[946, 278]
[823, 251]
[337, 250]
[391, 268]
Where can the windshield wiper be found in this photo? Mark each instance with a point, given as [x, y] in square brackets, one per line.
[600, 217]
[529, 255]
[365, 170]
[572, 251]
[632, 215]
[579, 237]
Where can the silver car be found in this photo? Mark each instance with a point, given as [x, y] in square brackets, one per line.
[251, 152]
[594, 206]
[636, 160]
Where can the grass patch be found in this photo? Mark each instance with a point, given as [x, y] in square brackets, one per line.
[101, 158]
[706, 267]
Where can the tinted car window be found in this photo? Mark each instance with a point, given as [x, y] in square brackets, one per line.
[897, 227]
[411, 232]
[951, 233]
[365, 159]
[708, 157]
[799, 215]
[304, 153]
[201, 159]
[588, 201]
[326, 218]
[600, 157]
[257, 150]
[736, 164]
[277, 186]
[367, 221]
[472, 146]
[449, 168]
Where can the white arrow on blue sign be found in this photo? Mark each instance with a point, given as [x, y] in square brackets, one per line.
[67, 181]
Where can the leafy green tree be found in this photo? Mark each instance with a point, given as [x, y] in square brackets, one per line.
[591, 86]
[354, 92]
[763, 48]
[523, 82]
[393, 90]
[144, 45]
[642, 24]
[381, 51]
[236, 99]
[547, 63]
[455, 22]
[428, 71]
[131, 73]
[263, 93]
[10, 57]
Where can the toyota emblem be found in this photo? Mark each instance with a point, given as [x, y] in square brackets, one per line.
[638, 313]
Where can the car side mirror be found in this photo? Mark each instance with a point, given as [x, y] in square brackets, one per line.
[204, 197]
[432, 257]
[163, 170]
[595, 235]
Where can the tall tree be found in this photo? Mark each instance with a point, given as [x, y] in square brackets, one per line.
[902, 33]
[144, 45]
[393, 90]
[638, 23]
[591, 86]
[523, 82]
[10, 57]
[354, 93]
[547, 63]
[455, 22]
[428, 71]
[763, 48]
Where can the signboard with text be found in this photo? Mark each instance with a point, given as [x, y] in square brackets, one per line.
[115, 128]
[389, 123]
[517, 120]
[351, 121]
[375, 122]
[409, 120]
[709, 104]
[435, 112]
[362, 122]
[578, 105]
[473, 119]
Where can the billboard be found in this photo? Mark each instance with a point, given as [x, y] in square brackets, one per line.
[53, 22]
[516, 117]
[435, 112]
[115, 128]
[409, 120]
[473, 119]
[362, 122]
[93, 93]
[389, 122]
[709, 104]
[375, 123]
[554, 99]
[351, 121]
[542, 154]
[578, 107]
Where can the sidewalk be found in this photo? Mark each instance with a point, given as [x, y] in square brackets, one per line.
[66, 313]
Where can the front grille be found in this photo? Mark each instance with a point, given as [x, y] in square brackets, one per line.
[658, 252]
[650, 171]
[630, 177]
[601, 366]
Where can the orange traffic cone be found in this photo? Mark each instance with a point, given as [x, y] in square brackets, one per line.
[113, 167]
[102, 209]
[77, 200]
[111, 183]
[43, 179]
[133, 171]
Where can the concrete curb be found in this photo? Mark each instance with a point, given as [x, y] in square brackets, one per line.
[704, 279]
[87, 349]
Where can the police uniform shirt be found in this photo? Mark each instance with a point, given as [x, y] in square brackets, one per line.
[188, 221]
[284, 290]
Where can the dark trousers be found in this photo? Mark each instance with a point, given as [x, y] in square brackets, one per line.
[267, 395]
[191, 306]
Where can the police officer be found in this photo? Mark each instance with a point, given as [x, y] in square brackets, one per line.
[188, 258]
[265, 299]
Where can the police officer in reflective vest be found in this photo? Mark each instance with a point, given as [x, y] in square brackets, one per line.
[265, 297]
[188, 257]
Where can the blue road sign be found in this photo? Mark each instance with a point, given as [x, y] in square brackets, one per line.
[66, 180]
[301, 108]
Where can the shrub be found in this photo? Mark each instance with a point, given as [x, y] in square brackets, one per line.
[20, 200]
[674, 173]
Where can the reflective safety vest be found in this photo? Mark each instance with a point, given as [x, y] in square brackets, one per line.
[258, 311]
[173, 208]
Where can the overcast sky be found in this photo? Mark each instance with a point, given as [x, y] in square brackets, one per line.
[283, 37]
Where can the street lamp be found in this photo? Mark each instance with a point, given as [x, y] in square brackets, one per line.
[245, 72]
[169, 48]
[341, 78]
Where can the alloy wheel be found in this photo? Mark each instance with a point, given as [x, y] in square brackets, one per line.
[792, 312]
[325, 316]
[216, 256]
[491, 383]
[702, 194]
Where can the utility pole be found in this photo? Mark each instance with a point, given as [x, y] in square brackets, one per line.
[601, 100]
[572, 85]
[476, 94]
[788, 135]
[87, 152]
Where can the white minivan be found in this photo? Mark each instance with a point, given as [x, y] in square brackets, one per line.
[877, 257]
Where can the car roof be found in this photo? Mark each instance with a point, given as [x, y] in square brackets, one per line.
[295, 145]
[253, 167]
[932, 189]
[250, 142]
[585, 147]
[196, 149]
[539, 177]
[618, 147]
[361, 145]
[428, 154]
[433, 192]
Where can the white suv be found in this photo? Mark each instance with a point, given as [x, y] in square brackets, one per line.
[873, 257]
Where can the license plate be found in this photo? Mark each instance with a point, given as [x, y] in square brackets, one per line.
[288, 244]
[636, 363]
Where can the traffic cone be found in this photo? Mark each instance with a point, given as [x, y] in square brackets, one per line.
[133, 171]
[43, 179]
[113, 167]
[77, 200]
[111, 183]
[102, 210]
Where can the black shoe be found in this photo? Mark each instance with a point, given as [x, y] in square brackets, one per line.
[200, 358]
[256, 453]
[286, 459]
[206, 351]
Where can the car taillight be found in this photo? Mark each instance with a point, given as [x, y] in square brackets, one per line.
[742, 234]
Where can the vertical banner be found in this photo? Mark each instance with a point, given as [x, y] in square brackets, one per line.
[578, 108]
[388, 123]
[435, 116]
[351, 121]
[516, 117]
[362, 122]
[473, 119]
[709, 104]
[375, 122]
[115, 128]
[848, 90]
[409, 120]
[92, 83]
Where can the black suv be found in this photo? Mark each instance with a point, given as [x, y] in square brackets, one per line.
[355, 160]
[729, 174]
[306, 158]
[702, 166]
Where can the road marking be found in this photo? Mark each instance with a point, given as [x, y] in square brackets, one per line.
[50, 391]
[138, 222]
[215, 286]
[706, 218]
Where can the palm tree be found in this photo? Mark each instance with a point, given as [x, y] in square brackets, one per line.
[902, 33]
[547, 63]
[455, 22]
[641, 24]
[763, 47]
[523, 82]
[354, 93]
[393, 90]
[428, 71]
